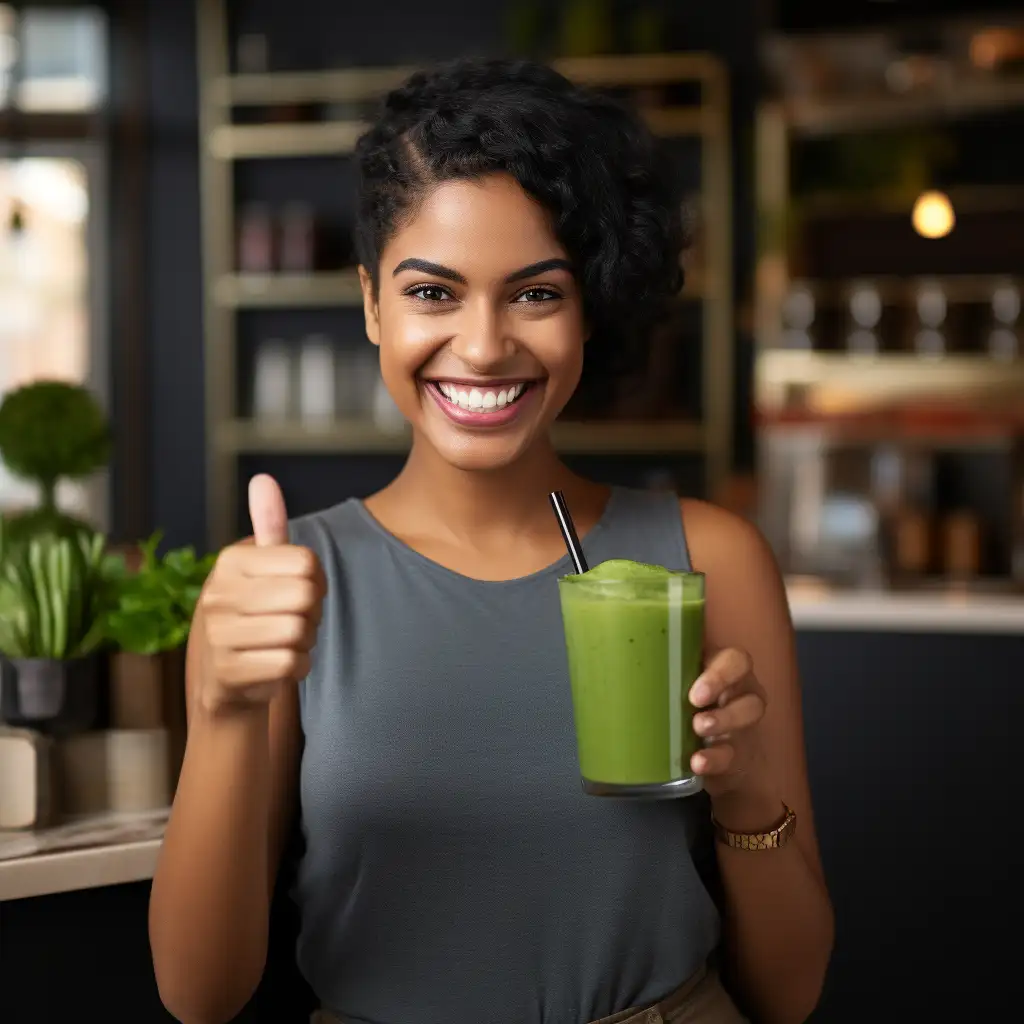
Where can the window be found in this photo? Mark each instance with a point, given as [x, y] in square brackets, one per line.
[52, 198]
[53, 59]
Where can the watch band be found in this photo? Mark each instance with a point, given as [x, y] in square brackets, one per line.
[773, 840]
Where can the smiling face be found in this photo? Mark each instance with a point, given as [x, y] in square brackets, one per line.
[479, 321]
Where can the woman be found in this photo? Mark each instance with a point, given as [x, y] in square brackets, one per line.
[391, 673]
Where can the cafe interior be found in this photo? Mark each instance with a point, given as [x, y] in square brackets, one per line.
[844, 366]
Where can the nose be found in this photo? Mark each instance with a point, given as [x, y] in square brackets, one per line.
[482, 341]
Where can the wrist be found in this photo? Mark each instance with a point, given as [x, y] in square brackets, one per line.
[748, 810]
[219, 715]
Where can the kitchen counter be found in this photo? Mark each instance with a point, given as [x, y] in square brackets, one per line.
[85, 854]
[817, 607]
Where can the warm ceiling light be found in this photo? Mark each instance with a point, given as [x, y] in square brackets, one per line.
[933, 215]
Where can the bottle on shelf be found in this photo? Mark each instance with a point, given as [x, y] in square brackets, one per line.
[1003, 343]
[961, 546]
[297, 242]
[798, 312]
[317, 380]
[865, 315]
[273, 382]
[930, 336]
[358, 371]
[256, 247]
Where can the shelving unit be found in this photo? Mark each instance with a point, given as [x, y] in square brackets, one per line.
[871, 445]
[227, 293]
[781, 123]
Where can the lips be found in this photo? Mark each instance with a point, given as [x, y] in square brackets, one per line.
[481, 405]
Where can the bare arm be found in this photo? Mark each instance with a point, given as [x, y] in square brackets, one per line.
[780, 924]
[210, 903]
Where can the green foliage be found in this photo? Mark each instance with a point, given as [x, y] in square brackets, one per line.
[54, 594]
[154, 607]
[50, 430]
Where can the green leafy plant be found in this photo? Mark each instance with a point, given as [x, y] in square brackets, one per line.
[154, 606]
[54, 594]
[52, 430]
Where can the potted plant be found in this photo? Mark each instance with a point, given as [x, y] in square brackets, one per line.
[54, 592]
[49, 431]
[148, 624]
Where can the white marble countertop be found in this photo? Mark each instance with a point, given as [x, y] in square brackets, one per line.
[84, 854]
[814, 606]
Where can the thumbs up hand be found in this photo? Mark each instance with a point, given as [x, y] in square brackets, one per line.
[260, 609]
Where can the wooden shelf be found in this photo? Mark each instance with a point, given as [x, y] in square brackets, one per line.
[338, 138]
[255, 141]
[358, 437]
[963, 99]
[354, 84]
[886, 372]
[283, 87]
[289, 291]
[640, 70]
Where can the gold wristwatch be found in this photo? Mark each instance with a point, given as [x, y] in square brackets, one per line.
[773, 840]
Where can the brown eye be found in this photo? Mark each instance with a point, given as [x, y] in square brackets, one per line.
[430, 293]
[537, 295]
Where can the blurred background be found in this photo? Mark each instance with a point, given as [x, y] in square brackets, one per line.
[844, 366]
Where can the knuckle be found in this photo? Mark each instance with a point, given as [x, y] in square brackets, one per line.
[289, 662]
[306, 562]
[306, 594]
[293, 630]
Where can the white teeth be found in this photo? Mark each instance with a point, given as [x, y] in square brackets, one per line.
[475, 400]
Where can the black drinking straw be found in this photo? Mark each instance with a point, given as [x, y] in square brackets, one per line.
[572, 542]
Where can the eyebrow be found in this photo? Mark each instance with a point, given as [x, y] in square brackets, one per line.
[439, 270]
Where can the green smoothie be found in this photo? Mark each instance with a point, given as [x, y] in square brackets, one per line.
[634, 635]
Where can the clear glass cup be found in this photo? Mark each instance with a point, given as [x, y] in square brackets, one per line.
[635, 647]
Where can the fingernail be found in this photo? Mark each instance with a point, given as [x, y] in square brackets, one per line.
[700, 693]
[698, 763]
[704, 724]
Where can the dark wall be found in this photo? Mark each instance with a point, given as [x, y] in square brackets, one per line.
[175, 312]
[309, 31]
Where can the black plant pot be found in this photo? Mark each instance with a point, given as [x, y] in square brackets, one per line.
[58, 698]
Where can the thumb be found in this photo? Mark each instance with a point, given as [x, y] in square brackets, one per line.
[267, 511]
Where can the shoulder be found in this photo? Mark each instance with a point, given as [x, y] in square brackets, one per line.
[720, 539]
[745, 589]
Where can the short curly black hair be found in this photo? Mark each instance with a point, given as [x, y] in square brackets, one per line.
[587, 159]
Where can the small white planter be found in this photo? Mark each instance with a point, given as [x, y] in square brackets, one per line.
[26, 779]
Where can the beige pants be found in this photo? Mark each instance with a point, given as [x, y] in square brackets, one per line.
[700, 1000]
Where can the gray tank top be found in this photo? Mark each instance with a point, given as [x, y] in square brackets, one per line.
[453, 870]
